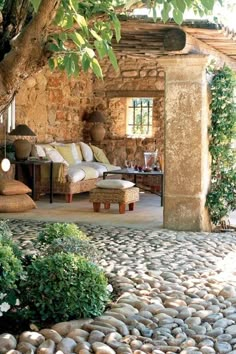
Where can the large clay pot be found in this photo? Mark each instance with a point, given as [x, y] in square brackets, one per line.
[97, 132]
[22, 149]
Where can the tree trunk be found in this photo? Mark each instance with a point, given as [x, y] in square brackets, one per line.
[27, 53]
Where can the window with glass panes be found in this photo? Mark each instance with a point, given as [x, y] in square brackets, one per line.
[139, 116]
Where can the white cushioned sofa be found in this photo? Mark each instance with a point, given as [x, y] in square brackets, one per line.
[77, 167]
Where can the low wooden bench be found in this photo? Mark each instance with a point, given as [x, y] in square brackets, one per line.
[109, 195]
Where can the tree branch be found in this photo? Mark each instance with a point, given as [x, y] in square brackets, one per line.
[27, 51]
[16, 15]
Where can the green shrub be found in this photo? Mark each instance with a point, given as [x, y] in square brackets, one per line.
[75, 245]
[59, 230]
[6, 238]
[221, 199]
[10, 268]
[64, 286]
[5, 230]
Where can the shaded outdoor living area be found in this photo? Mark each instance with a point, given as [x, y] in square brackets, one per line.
[117, 187]
[162, 79]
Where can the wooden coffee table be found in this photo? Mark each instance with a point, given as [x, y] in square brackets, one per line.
[135, 173]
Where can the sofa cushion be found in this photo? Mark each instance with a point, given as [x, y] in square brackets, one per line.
[98, 167]
[13, 187]
[16, 203]
[87, 152]
[114, 184]
[99, 154]
[75, 174]
[38, 150]
[76, 155]
[66, 152]
[55, 156]
[79, 152]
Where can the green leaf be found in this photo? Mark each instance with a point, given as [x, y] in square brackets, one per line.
[68, 65]
[85, 62]
[208, 4]
[90, 52]
[113, 59]
[35, 4]
[95, 35]
[178, 16]
[53, 47]
[180, 5]
[188, 3]
[59, 16]
[154, 14]
[101, 48]
[117, 28]
[81, 21]
[74, 4]
[96, 68]
[77, 38]
[165, 12]
[63, 36]
[51, 63]
[75, 60]
[69, 22]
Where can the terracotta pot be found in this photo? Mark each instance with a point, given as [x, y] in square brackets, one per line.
[22, 149]
[97, 132]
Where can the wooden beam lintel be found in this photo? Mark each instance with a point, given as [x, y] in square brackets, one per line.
[192, 45]
[134, 93]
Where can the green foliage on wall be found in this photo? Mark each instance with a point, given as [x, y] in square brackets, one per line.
[221, 198]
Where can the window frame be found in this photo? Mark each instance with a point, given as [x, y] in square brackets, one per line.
[130, 115]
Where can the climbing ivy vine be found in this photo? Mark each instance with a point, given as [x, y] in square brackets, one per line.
[221, 198]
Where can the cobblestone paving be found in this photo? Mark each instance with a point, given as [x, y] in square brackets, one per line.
[177, 291]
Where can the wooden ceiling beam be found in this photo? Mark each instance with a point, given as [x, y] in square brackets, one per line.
[156, 39]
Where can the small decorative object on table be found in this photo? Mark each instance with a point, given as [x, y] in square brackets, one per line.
[150, 159]
[147, 169]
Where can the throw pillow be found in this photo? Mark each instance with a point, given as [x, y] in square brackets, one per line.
[66, 152]
[87, 152]
[13, 187]
[76, 153]
[76, 157]
[55, 156]
[114, 184]
[16, 203]
[39, 150]
[99, 154]
[79, 152]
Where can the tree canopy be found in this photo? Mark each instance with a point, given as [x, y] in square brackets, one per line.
[70, 35]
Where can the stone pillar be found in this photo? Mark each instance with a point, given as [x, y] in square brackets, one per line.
[186, 157]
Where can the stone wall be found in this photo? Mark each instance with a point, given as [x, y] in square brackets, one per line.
[135, 78]
[54, 106]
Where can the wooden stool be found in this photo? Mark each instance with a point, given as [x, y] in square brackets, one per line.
[109, 195]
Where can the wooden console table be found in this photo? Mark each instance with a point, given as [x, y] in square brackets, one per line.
[134, 173]
[34, 163]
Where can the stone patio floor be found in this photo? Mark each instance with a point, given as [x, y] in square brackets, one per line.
[177, 293]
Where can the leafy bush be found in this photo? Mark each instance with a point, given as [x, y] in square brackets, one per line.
[55, 231]
[63, 286]
[5, 230]
[11, 271]
[10, 268]
[75, 245]
[221, 198]
[6, 238]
